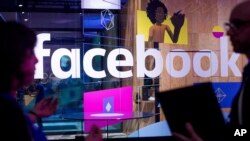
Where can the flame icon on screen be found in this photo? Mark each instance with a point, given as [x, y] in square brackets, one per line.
[108, 107]
[108, 104]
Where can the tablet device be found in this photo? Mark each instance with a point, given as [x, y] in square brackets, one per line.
[196, 104]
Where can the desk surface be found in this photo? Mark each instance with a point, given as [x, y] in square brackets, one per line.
[107, 116]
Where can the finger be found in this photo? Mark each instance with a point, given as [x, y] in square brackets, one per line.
[97, 130]
[94, 130]
[180, 136]
[54, 102]
[44, 101]
[177, 13]
[53, 105]
[50, 100]
[47, 100]
[192, 132]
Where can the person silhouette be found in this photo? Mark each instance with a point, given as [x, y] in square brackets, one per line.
[238, 29]
[17, 44]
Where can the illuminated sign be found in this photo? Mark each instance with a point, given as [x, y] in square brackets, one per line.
[189, 63]
[101, 4]
[107, 107]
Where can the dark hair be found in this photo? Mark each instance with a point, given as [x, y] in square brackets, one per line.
[15, 40]
[151, 8]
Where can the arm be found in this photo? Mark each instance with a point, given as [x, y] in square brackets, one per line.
[171, 35]
[150, 37]
[151, 34]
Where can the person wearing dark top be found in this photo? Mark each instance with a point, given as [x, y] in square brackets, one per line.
[20, 96]
[238, 29]
[18, 61]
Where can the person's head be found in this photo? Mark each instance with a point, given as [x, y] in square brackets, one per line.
[239, 28]
[156, 11]
[17, 56]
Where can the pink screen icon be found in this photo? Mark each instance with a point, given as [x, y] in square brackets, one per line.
[107, 107]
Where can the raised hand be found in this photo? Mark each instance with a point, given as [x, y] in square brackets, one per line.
[46, 107]
[95, 134]
[178, 19]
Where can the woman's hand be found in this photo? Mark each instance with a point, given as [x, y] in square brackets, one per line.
[193, 134]
[46, 107]
[95, 134]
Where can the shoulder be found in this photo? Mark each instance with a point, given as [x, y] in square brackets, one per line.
[7, 101]
[152, 27]
[166, 27]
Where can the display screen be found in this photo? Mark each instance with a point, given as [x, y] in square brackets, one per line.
[101, 4]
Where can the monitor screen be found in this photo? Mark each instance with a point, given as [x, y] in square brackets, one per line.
[101, 4]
